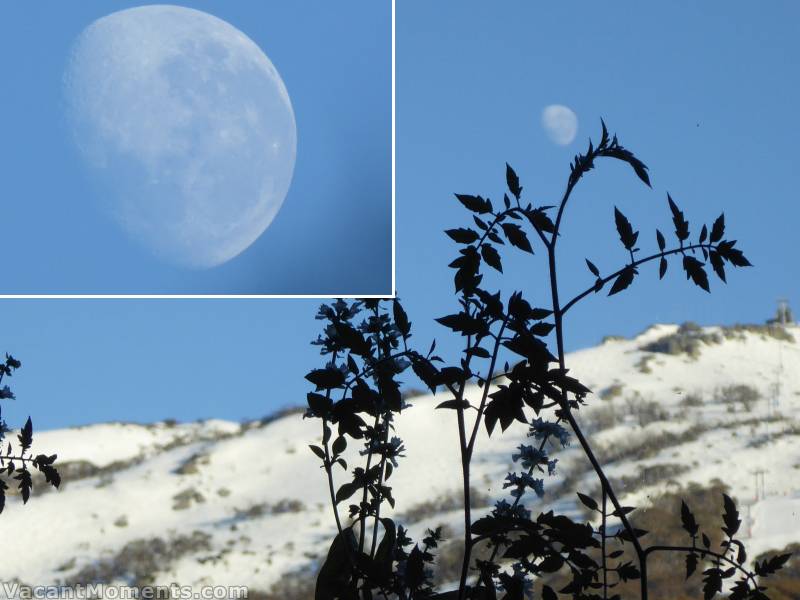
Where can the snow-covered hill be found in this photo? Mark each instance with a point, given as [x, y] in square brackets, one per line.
[244, 504]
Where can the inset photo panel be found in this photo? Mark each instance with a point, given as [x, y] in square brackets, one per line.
[196, 148]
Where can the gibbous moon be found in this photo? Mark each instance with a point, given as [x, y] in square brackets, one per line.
[186, 125]
[560, 124]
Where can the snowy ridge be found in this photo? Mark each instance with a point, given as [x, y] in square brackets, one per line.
[255, 500]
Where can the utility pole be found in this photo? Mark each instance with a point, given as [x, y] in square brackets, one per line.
[760, 484]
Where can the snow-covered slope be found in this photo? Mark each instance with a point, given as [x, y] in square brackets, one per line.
[244, 504]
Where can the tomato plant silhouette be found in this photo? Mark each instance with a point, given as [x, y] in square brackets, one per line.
[16, 466]
[357, 395]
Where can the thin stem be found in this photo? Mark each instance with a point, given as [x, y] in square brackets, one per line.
[635, 263]
[380, 483]
[329, 472]
[567, 413]
[562, 205]
[482, 406]
[462, 440]
[703, 552]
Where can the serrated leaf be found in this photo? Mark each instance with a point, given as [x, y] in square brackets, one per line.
[622, 281]
[717, 229]
[694, 270]
[517, 237]
[730, 517]
[513, 182]
[718, 265]
[688, 520]
[626, 234]
[26, 435]
[401, 318]
[491, 257]
[475, 203]
[691, 564]
[681, 225]
[463, 235]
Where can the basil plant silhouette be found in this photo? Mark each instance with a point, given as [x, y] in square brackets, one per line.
[357, 395]
[15, 465]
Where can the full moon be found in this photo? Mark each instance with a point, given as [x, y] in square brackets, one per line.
[187, 127]
[560, 124]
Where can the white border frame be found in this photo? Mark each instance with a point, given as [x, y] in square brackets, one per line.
[252, 296]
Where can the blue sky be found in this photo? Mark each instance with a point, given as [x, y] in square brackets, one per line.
[705, 94]
[333, 233]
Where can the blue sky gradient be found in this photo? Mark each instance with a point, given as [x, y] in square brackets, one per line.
[704, 93]
[333, 233]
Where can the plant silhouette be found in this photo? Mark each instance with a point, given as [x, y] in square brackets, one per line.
[16, 466]
[357, 395]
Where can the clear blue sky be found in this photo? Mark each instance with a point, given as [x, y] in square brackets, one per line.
[333, 233]
[472, 79]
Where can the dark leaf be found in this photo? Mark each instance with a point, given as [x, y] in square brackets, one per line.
[513, 182]
[517, 237]
[540, 220]
[454, 404]
[475, 203]
[491, 257]
[345, 491]
[25, 483]
[691, 564]
[319, 404]
[771, 565]
[717, 229]
[326, 378]
[335, 572]
[687, 519]
[415, 569]
[712, 583]
[681, 225]
[730, 516]
[339, 445]
[595, 271]
[26, 435]
[694, 270]
[589, 502]
[401, 318]
[462, 235]
[718, 265]
[622, 281]
[703, 235]
[660, 239]
[662, 268]
[317, 450]
[551, 563]
[626, 234]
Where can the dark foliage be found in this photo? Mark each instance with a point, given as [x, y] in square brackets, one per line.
[15, 468]
[356, 396]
